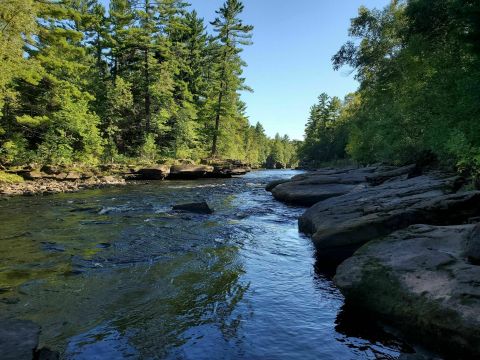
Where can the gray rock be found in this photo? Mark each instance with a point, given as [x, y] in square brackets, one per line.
[198, 208]
[18, 339]
[73, 176]
[272, 184]
[189, 171]
[419, 280]
[472, 246]
[33, 175]
[46, 354]
[51, 169]
[379, 178]
[309, 194]
[341, 224]
[153, 173]
[310, 188]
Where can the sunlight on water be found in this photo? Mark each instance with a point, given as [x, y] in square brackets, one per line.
[115, 274]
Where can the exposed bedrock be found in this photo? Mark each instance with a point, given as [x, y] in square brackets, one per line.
[309, 188]
[409, 253]
[420, 278]
[342, 224]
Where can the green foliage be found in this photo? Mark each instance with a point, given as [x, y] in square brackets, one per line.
[6, 178]
[149, 151]
[326, 131]
[15, 152]
[419, 98]
[80, 84]
[17, 25]
[227, 80]
[282, 153]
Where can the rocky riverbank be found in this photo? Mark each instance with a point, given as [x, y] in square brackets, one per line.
[56, 179]
[406, 246]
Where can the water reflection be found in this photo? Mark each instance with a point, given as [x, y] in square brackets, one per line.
[114, 274]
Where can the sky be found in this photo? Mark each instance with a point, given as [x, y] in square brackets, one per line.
[289, 64]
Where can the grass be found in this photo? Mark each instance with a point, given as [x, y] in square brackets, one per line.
[6, 178]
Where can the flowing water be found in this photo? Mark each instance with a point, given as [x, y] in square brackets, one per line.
[115, 274]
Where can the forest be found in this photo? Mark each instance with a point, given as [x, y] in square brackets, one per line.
[418, 65]
[139, 81]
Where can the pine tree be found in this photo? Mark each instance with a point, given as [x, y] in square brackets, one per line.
[231, 34]
[54, 113]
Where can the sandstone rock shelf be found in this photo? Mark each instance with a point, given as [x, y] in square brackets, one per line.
[58, 179]
[404, 245]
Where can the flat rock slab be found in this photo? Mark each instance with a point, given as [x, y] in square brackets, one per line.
[186, 172]
[419, 279]
[18, 339]
[341, 224]
[310, 188]
[153, 173]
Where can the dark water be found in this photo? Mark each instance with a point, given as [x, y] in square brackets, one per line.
[114, 274]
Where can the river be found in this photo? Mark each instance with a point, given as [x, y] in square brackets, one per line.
[115, 274]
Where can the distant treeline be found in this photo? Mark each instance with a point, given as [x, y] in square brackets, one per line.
[143, 80]
[419, 98]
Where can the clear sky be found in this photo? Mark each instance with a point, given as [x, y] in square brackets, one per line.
[289, 63]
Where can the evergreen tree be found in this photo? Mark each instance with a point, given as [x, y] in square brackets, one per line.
[82, 84]
[232, 34]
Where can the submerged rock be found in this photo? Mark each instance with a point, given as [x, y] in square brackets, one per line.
[419, 279]
[198, 208]
[18, 339]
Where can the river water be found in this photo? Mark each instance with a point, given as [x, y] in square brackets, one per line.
[115, 274]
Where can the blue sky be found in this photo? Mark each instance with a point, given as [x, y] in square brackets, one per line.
[289, 63]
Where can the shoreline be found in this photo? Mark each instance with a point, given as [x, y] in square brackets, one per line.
[48, 180]
[404, 244]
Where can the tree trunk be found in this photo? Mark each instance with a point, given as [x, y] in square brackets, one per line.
[147, 75]
[147, 94]
[217, 124]
[223, 86]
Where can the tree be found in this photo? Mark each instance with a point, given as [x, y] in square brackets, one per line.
[54, 112]
[325, 133]
[17, 24]
[232, 34]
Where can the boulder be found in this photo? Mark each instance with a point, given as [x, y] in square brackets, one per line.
[110, 180]
[419, 280]
[46, 354]
[188, 171]
[240, 171]
[73, 176]
[18, 339]
[198, 208]
[340, 225]
[33, 175]
[225, 168]
[51, 169]
[159, 172]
